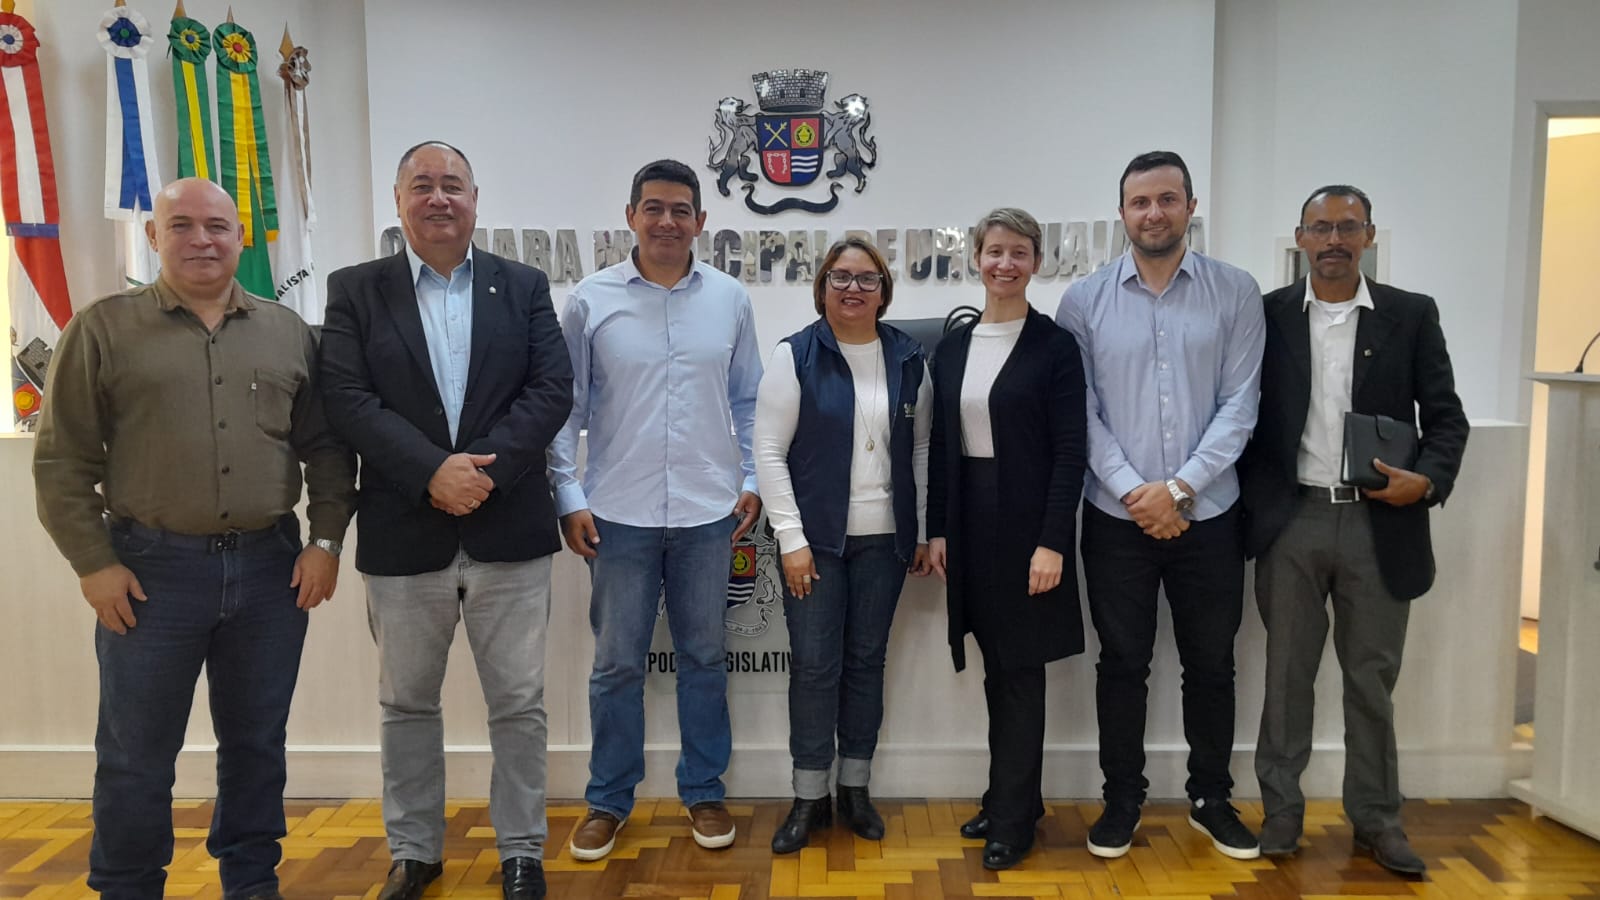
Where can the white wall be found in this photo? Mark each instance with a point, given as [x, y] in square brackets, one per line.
[1409, 102]
[1032, 103]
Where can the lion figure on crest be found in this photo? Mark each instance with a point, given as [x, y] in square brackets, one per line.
[855, 151]
[736, 137]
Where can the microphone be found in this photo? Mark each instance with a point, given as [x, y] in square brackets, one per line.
[1579, 369]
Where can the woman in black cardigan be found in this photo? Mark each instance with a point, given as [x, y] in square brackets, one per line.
[1005, 474]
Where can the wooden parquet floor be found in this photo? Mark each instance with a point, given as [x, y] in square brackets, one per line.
[1474, 849]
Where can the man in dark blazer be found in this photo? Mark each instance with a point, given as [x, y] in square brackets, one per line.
[1337, 342]
[445, 368]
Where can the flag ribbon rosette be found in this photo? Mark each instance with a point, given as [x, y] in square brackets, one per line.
[40, 305]
[132, 173]
[246, 166]
[189, 43]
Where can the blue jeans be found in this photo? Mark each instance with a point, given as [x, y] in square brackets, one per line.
[634, 567]
[837, 639]
[233, 612]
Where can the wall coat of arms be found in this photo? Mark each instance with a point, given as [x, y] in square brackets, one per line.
[791, 137]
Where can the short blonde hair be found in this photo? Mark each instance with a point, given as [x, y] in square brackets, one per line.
[1013, 220]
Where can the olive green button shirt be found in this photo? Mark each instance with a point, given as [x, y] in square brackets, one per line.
[184, 429]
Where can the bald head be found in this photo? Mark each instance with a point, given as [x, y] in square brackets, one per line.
[197, 233]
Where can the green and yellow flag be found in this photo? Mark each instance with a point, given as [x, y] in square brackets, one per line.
[190, 43]
[246, 168]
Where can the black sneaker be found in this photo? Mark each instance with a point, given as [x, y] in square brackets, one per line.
[1218, 820]
[1113, 834]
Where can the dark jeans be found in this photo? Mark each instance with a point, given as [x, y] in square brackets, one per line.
[837, 637]
[233, 612]
[1203, 573]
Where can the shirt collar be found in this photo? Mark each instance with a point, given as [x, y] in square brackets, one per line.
[629, 270]
[1128, 270]
[1363, 299]
[417, 265]
[238, 299]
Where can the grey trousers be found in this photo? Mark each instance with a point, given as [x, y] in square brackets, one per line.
[1327, 551]
[506, 609]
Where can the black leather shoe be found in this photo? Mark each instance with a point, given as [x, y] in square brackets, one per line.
[1391, 850]
[857, 811]
[522, 879]
[977, 827]
[1002, 856]
[805, 816]
[265, 895]
[408, 878]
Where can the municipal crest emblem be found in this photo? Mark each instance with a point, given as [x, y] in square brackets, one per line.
[792, 136]
[753, 582]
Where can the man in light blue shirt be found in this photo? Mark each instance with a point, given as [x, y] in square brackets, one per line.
[665, 373]
[1171, 342]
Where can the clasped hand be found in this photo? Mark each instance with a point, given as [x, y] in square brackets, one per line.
[459, 486]
[1153, 509]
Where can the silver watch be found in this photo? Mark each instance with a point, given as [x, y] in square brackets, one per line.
[1180, 498]
[331, 547]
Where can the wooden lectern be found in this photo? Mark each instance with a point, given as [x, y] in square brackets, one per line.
[1566, 720]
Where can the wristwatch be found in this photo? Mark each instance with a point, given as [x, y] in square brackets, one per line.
[1180, 498]
[331, 547]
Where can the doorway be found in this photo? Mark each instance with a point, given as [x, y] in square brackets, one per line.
[1568, 314]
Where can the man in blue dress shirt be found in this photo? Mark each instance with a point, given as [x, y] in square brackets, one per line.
[665, 373]
[1172, 344]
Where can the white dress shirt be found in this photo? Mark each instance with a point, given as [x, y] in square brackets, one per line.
[1333, 353]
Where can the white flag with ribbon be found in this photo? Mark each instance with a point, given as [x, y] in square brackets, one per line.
[297, 213]
[131, 169]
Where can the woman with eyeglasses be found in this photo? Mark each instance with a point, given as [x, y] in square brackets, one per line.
[841, 449]
[1006, 466]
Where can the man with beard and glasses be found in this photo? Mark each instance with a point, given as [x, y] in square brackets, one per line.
[1338, 342]
[1171, 342]
[665, 374]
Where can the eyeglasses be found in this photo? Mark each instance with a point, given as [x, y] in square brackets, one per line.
[840, 280]
[1346, 228]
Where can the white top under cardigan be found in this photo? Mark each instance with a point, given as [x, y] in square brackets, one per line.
[990, 348]
[871, 497]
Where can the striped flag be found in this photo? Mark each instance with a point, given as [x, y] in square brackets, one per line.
[245, 166]
[297, 214]
[40, 306]
[132, 177]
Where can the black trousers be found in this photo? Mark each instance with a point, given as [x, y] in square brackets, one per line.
[1014, 801]
[1014, 694]
[1203, 573]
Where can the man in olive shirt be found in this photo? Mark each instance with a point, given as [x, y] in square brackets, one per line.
[191, 404]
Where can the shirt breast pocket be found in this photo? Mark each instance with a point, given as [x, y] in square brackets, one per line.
[273, 393]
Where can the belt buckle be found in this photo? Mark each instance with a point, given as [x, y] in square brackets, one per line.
[225, 541]
[1344, 493]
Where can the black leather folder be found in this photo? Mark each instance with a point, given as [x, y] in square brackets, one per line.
[1376, 437]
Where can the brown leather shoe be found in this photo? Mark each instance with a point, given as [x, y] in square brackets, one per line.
[595, 836]
[713, 827]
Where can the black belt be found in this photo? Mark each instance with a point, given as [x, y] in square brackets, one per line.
[1342, 493]
[200, 543]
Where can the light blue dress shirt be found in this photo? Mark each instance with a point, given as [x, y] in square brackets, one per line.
[1174, 378]
[445, 303]
[663, 379]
